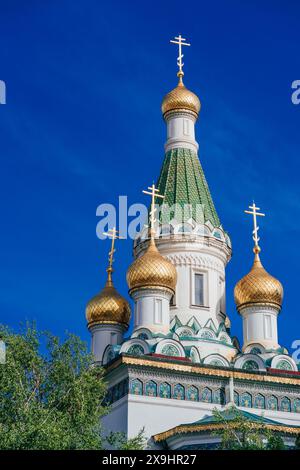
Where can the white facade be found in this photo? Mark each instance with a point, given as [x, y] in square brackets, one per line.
[181, 132]
[260, 326]
[152, 309]
[104, 335]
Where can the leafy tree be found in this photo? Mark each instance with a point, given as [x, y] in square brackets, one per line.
[238, 433]
[119, 441]
[52, 400]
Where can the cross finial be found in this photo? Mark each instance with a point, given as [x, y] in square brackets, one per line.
[253, 211]
[113, 234]
[181, 42]
[153, 192]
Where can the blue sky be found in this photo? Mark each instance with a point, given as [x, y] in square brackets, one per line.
[82, 125]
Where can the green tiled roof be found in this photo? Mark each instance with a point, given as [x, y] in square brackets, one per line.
[182, 181]
[229, 415]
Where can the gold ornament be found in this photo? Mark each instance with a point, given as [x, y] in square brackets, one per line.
[152, 270]
[108, 306]
[181, 99]
[258, 287]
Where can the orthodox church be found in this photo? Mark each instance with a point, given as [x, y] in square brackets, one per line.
[181, 361]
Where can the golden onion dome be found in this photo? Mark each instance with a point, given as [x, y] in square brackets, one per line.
[108, 306]
[258, 287]
[181, 99]
[151, 270]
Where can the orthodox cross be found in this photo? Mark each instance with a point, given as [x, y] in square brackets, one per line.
[253, 211]
[154, 192]
[181, 42]
[113, 234]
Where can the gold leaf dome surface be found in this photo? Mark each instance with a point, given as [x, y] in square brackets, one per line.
[258, 287]
[151, 270]
[108, 306]
[181, 99]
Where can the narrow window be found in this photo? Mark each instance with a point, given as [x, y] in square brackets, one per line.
[158, 311]
[186, 127]
[199, 289]
[268, 327]
[172, 301]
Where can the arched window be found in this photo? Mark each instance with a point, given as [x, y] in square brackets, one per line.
[110, 355]
[206, 334]
[179, 392]
[170, 350]
[272, 403]
[285, 404]
[151, 389]
[184, 333]
[246, 400]
[143, 336]
[136, 387]
[216, 362]
[259, 401]
[284, 365]
[236, 398]
[135, 350]
[206, 395]
[192, 393]
[250, 365]
[165, 390]
[255, 350]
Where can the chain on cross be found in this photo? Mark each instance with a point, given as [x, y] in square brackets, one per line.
[254, 211]
[181, 42]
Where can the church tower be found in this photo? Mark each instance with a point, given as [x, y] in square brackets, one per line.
[108, 313]
[180, 361]
[190, 234]
[258, 297]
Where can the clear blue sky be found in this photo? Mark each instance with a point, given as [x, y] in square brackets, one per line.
[82, 125]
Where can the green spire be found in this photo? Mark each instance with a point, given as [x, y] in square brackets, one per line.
[182, 181]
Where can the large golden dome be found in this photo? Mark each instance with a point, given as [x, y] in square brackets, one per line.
[258, 287]
[151, 270]
[108, 306]
[181, 99]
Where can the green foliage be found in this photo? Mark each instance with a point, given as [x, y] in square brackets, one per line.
[52, 400]
[239, 433]
[119, 441]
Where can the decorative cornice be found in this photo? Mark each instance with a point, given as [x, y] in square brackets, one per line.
[195, 260]
[202, 370]
[185, 429]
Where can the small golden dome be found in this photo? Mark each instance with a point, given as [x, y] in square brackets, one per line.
[108, 306]
[181, 99]
[258, 287]
[151, 270]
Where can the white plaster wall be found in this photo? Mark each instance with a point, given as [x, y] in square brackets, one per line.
[181, 132]
[152, 310]
[102, 336]
[117, 420]
[260, 326]
[160, 414]
[133, 412]
[196, 257]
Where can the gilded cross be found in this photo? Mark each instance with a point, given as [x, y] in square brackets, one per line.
[253, 211]
[153, 192]
[181, 42]
[113, 234]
